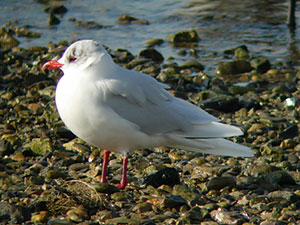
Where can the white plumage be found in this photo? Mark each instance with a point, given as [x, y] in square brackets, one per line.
[121, 110]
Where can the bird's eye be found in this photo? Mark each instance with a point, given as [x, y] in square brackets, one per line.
[73, 59]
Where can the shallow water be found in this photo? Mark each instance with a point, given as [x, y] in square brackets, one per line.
[261, 25]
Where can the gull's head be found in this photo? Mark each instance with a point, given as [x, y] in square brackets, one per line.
[79, 55]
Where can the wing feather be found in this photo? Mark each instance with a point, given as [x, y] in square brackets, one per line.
[145, 102]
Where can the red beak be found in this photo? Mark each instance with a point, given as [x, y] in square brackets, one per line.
[53, 64]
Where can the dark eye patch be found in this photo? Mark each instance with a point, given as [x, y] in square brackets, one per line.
[72, 59]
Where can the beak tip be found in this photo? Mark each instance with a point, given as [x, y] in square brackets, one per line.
[52, 65]
[45, 66]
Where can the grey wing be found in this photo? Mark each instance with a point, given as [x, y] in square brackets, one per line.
[145, 102]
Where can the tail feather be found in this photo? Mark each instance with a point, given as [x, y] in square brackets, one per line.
[215, 146]
[213, 130]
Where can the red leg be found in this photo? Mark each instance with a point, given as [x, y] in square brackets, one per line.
[104, 166]
[123, 182]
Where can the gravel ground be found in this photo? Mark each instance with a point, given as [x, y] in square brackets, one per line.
[48, 176]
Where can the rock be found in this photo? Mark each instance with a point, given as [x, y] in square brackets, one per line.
[130, 19]
[261, 64]
[241, 53]
[233, 67]
[206, 171]
[119, 196]
[182, 37]
[55, 173]
[53, 20]
[7, 41]
[290, 132]
[13, 214]
[105, 188]
[284, 197]
[122, 220]
[168, 176]
[262, 170]
[31, 78]
[5, 148]
[143, 207]
[63, 132]
[56, 9]
[192, 64]
[91, 25]
[191, 197]
[173, 201]
[293, 159]
[217, 183]
[39, 146]
[36, 108]
[59, 222]
[232, 51]
[195, 215]
[40, 217]
[36, 180]
[123, 55]
[24, 32]
[223, 103]
[77, 215]
[280, 177]
[288, 144]
[227, 217]
[239, 90]
[152, 54]
[154, 42]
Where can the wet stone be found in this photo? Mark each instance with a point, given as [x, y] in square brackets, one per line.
[192, 64]
[231, 51]
[290, 132]
[168, 176]
[7, 41]
[184, 37]
[195, 215]
[191, 197]
[5, 148]
[154, 42]
[55, 173]
[122, 220]
[262, 170]
[40, 217]
[10, 213]
[56, 9]
[59, 222]
[152, 54]
[173, 201]
[91, 25]
[64, 133]
[126, 19]
[106, 188]
[77, 214]
[119, 196]
[123, 55]
[281, 177]
[217, 183]
[260, 64]
[233, 67]
[143, 207]
[39, 146]
[53, 20]
[223, 103]
[227, 217]
[293, 159]
[241, 53]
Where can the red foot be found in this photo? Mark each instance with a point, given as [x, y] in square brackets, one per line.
[122, 185]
